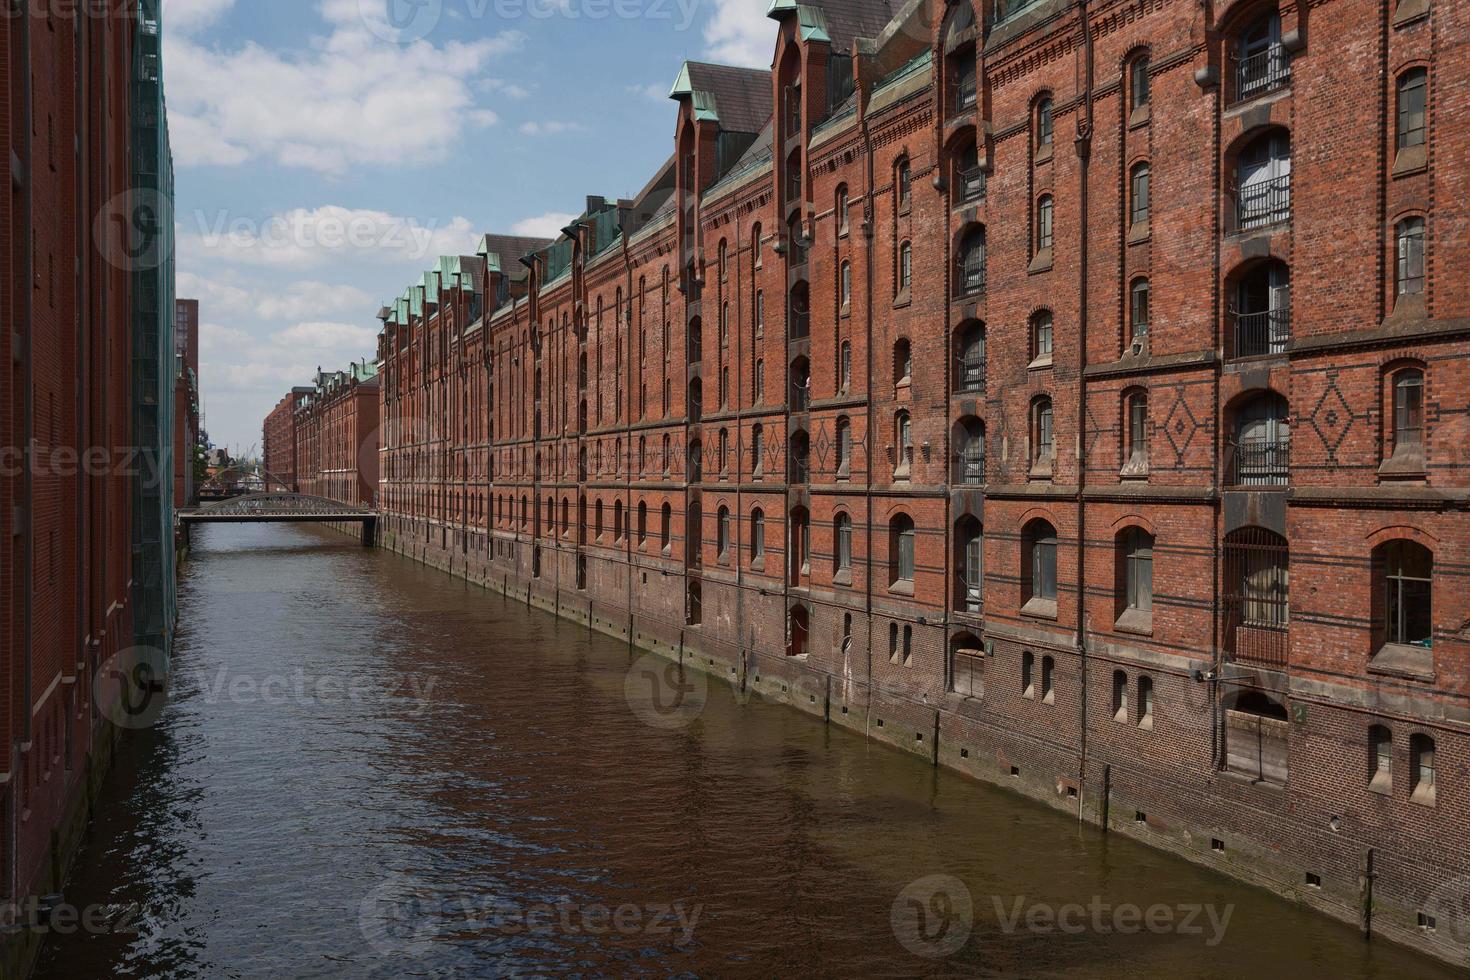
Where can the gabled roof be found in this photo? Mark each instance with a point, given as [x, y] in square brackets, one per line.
[739, 99]
[504, 253]
[837, 22]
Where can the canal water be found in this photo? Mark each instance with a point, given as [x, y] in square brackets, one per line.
[369, 769]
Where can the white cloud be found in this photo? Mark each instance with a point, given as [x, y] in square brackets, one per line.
[325, 336]
[312, 237]
[550, 127]
[547, 225]
[499, 86]
[739, 33]
[653, 90]
[190, 16]
[334, 105]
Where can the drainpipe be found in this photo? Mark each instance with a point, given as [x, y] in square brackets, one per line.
[28, 412]
[83, 402]
[868, 236]
[1084, 155]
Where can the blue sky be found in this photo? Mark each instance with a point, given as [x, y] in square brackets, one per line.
[326, 154]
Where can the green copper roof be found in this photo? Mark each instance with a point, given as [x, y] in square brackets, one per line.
[812, 21]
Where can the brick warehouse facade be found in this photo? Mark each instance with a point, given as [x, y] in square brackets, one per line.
[278, 440]
[333, 423]
[925, 346]
[86, 393]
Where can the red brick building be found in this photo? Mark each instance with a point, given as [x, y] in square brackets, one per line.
[186, 400]
[278, 440]
[333, 423]
[85, 486]
[1075, 395]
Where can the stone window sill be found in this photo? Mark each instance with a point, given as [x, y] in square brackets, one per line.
[1041, 470]
[1040, 608]
[1146, 723]
[1409, 11]
[1408, 463]
[1399, 660]
[902, 299]
[1423, 795]
[1135, 621]
[1041, 363]
[1139, 116]
[758, 564]
[1410, 160]
[843, 577]
[1139, 233]
[1382, 784]
[1134, 469]
[1041, 263]
[1044, 153]
[901, 587]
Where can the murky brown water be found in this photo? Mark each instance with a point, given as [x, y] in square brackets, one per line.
[369, 769]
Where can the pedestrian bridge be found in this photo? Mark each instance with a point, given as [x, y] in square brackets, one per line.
[281, 508]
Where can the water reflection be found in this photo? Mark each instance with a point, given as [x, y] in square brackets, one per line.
[371, 769]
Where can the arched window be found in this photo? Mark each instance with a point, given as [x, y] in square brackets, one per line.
[1138, 308]
[1261, 455]
[1421, 769]
[755, 246]
[1413, 90]
[799, 551]
[1409, 240]
[1263, 181]
[1406, 572]
[970, 357]
[1043, 126]
[724, 259]
[1135, 433]
[1380, 759]
[842, 544]
[1263, 310]
[618, 520]
[901, 550]
[970, 276]
[844, 446]
[1042, 434]
[800, 464]
[970, 564]
[757, 450]
[1120, 696]
[1041, 335]
[1145, 701]
[760, 313]
[903, 361]
[722, 532]
[905, 266]
[969, 441]
[903, 181]
[969, 179]
[800, 303]
[1136, 568]
[1138, 210]
[1138, 83]
[642, 522]
[1043, 223]
[666, 528]
[1262, 63]
[597, 519]
[844, 366]
[801, 385]
[1408, 414]
[759, 379]
[841, 209]
[757, 535]
[1039, 563]
[724, 452]
[845, 286]
[903, 439]
[1257, 601]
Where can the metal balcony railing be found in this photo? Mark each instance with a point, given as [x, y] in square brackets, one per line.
[1264, 203]
[972, 184]
[1259, 463]
[969, 467]
[1260, 333]
[972, 278]
[1261, 72]
[971, 376]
